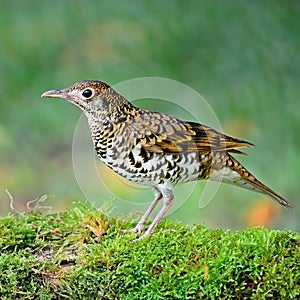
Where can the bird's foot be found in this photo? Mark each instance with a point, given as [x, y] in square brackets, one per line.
[141, 237]
[148, 233]
[170, 230]
[139, 228]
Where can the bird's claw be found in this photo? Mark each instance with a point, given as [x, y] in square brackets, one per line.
[145, 235]
[139, 228]
[149, 233]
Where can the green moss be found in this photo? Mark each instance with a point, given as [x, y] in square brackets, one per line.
[82, 254]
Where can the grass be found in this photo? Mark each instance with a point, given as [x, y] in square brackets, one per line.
[81, 254]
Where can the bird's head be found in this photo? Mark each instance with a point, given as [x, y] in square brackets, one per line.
[94, 97]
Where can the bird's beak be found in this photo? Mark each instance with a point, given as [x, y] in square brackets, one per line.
[55, 94]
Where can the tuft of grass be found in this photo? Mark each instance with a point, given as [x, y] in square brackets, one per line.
[81, 254]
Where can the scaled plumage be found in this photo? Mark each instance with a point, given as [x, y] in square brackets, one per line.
[156, 149]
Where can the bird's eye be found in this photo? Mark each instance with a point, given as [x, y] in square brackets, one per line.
[87, 93]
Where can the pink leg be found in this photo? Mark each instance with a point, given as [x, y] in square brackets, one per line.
[141, 224]
[168, 201]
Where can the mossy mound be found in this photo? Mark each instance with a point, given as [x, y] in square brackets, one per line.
[82, 254]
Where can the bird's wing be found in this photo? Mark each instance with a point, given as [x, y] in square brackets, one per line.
[171, 135]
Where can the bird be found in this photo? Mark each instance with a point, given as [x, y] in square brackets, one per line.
[156, 149]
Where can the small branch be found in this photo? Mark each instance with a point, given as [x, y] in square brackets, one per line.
[11, 203]
[36, 204]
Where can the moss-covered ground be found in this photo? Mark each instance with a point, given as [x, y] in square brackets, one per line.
[82, 254]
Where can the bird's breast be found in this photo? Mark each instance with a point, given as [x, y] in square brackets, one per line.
[122, 151]
[138, 165]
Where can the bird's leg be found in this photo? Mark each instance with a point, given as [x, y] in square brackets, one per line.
[141, 224]
[168, 199]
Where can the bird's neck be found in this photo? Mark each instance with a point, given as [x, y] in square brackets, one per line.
[113, 115]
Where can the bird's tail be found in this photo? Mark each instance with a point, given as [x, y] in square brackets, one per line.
[234, 173]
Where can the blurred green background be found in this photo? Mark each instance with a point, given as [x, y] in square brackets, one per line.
[242, 56]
